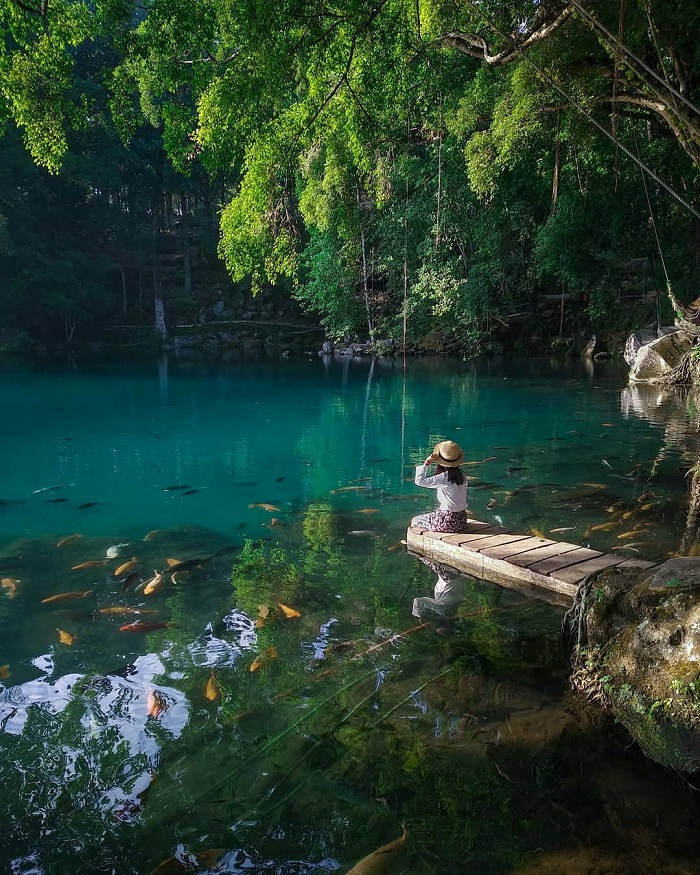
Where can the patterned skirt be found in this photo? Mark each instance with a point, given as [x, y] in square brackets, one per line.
[450, 521]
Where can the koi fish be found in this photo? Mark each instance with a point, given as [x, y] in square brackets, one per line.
[633, 534]
[177, 577]
[191, 491]
[65, 637]
[369, 510]
[268, 507]
[87, 505]
[154, 583]
[171, 562]
[138, 626]
[52, 488]
[212, 691]
[605, 527]
[153, 534]
[648, 506]
[156, 704]
[114, 550]
[69, 540]
[595, 485]
[381, 859]
[263, 658]
[92, 563]
[288, 612]
[125, 567]
[66, 596]
[562, 529]
[537, 533]
[4, 672]
[186, 563]
[130, 580]
[175, 488]
[349, 489]
[10, 584]
[119, 609]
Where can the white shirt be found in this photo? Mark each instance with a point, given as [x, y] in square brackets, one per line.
[451, 496]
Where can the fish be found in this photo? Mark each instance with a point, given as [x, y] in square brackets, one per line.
[185, 564]
[275, 521]
[212, 690]
[537, 532]
[191, 491]
[138, 626]
[369, 510]
[361, 480]
[265, 506]
[490, 459]
[10, 584]
[4, 672]
[288, 612]
[154, 583]
[156, 704]
[125, 567]
[279, 479]
[380, 860]
[348, 489]
[363, 533]
[595, 485]
[176, 488]
[66, 596]
[178, 576]
[607, 464]
[605, 527]
[87, 505]
[648, 506]
[207, 860]
[492, 503]
[55, 500]
[263, 658]
[114, 550]
[633, 534]
[69, 540]
[130, 580]
[91, 563]
[153, 534]
[121, 609]
[562, 529]
[65, 637]
[52, 488]
[628, 514]
[171, 562]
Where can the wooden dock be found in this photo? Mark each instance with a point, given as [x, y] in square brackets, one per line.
[546, 569]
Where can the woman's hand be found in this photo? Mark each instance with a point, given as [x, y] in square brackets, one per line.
[431, 458]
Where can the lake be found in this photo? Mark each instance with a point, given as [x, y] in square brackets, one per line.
[266, 702]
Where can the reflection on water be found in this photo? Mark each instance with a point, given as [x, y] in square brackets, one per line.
[283, 712]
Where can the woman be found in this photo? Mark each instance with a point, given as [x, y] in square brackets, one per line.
[451, 486]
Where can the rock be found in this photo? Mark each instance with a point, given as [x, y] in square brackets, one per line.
[636, 341]
[219, 308]
[589, 348]
[640, 656]
[655, 361]
[327, 347]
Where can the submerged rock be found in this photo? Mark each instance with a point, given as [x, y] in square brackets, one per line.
[637, 653]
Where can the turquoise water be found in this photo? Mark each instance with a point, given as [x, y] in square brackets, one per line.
[124, 747]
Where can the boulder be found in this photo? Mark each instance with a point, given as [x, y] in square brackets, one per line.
[638, 655]
[636, 341]
[655, 361]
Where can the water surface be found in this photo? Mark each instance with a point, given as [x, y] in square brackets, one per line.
[296, 744]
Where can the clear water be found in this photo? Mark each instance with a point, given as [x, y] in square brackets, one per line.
[122, 749]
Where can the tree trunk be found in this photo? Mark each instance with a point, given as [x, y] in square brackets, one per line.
[160, 326]
[185, 226]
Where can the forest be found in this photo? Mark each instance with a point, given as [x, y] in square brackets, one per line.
[466, 176]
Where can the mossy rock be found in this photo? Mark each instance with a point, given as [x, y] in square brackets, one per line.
[639, 656]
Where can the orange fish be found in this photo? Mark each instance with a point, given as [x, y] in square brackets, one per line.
[212, 690]
[65, 637]
[381, 859]
[264, 506]
[10, 584]
[4, 672]
[127, 566]
[153, 534]
[69, 540]
[369, 510]
[154, 583]
[288, 612]
[263, 658]
[93, 563]
[156, 704]
[66, 596]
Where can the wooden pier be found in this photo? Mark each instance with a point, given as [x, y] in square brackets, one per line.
[546, 569]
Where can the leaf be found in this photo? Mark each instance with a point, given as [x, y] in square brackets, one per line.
[212, 690]
[264, 611]
[288, 612]
[65, 637]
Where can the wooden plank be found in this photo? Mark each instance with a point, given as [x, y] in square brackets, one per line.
[468, 540]
[508, 552]
[556, 548]
[483, 544]
[570, 557]
[576, 573]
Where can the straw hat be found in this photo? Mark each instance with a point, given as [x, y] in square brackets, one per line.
[449, 454]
